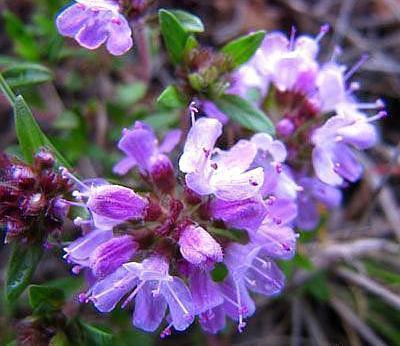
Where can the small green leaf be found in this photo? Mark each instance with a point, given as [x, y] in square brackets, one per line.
[30, 136]
[189, 21]
[21, 267]
[243, 48]
[94, 335]
[244, 113]
[174, 34]
[171, 98]
[191, 43]
[45, 298]
[219, 272]
[24, 74]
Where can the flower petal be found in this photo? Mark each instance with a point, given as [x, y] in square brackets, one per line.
[120, 36]
[71, 19]
[149, 308]
[179, 301]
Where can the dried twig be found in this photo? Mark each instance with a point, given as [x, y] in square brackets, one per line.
[350, 317]
[370, 285]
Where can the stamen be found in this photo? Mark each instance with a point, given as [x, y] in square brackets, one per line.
[193, 111]
[378, 116]
[241, 310]
[378, 104]
[356, 66]
[166, 332]
[292, 37]
[322, 32]
[75, 204]
[184, 309]
[335, 54]
[66, 174]
[132, 295]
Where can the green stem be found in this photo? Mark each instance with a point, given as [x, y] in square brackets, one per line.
[8, 93]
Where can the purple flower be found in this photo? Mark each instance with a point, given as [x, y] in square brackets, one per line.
[288, 64]
[198, 247]
[213, 320]
[250, 268]
[110, 255]
[314, 192]
[271, 155]
[153, 290]
[246, 214]
[80, 250]
[142, 149]
[111, 205]
[213, 171]
[333, 158]
[94, 22]
[205, 292]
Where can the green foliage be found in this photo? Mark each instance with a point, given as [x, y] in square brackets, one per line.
[30, 136]
[171, 98]
[244, 113]
[174, 34]
[21, 267]
[23, 74]
[189, 22]
[23, 38]
[94, 335]
[45, 299]
[243, 48]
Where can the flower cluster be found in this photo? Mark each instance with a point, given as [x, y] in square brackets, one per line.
[316, 113]
[160, 248]
[32, 201]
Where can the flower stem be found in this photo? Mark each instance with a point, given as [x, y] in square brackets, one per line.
[6, 90]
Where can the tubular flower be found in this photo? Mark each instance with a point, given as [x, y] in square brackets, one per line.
[94, 22]
[320, 122]
[159, 250]
[210, 170]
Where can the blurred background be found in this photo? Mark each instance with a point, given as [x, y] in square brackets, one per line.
[344, 284]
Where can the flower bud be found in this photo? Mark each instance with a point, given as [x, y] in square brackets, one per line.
[112, 254]
[113, 204]
[198, 247]
[44, 160]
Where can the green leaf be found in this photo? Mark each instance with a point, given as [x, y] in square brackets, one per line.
[24, 74]
[45, 298]
[174, 34]
[171, 98]
[30, 136]
[243, 48]
[21, 267]
[94, 336]
[128, 95]
[189, 22]
[219, 273]
[244, 113]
